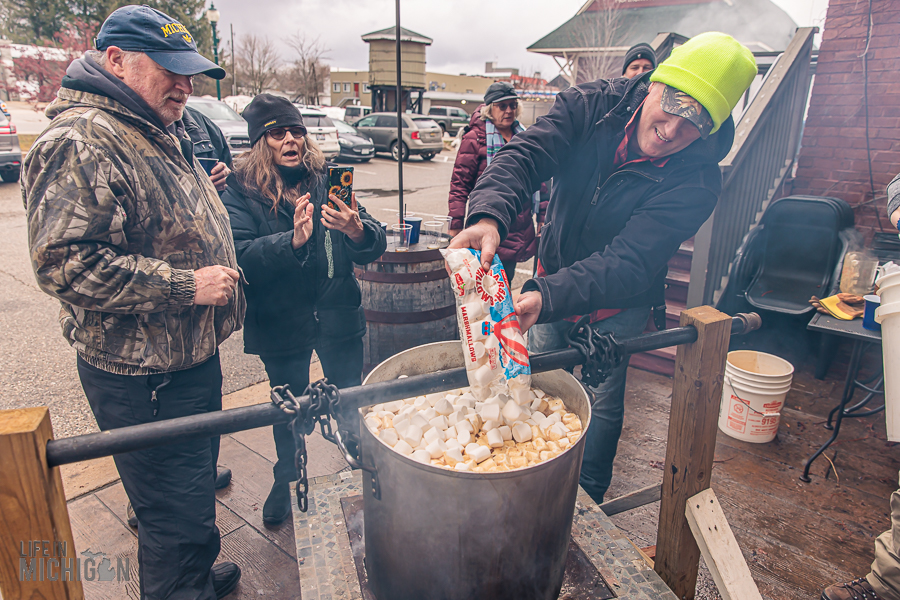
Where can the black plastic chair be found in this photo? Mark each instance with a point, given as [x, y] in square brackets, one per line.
[794, 253]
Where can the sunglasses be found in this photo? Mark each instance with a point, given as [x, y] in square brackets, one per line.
[278, 133]
[504, 106]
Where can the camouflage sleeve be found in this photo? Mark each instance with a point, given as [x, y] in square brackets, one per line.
[76, 200]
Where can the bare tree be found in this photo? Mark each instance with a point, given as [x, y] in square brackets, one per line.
[257, 60]
[596, 61]
[307, 74]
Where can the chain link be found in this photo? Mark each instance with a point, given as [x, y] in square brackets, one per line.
[324, 400]
[601, 351]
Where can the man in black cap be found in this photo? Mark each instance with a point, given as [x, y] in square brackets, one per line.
[127, 231]
[639, 59]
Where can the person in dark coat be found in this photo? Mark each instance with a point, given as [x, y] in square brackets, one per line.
[209, 142]
[492, 125]
[297, 256]
[635, 173]
[639, 59]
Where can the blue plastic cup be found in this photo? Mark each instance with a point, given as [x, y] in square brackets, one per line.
[872, 303]
[416, 223]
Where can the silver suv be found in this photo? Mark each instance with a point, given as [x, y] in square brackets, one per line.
[10, 152]
[421, 135]
[233, 125]
[450, 118]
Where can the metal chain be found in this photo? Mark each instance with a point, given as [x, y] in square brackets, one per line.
[323, 401]
[601, 351]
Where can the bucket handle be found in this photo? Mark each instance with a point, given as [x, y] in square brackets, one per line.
[354, 459]
[747, 404]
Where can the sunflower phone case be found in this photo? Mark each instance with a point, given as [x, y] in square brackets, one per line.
[340, 183]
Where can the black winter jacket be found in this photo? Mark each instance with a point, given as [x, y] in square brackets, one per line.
[608, 234]
[208, 139]
[292, 303]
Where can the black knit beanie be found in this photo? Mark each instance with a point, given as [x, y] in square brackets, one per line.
[637, 51]
[266, 112]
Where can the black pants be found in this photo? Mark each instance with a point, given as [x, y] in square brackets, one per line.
[171, 487]
[342, 366]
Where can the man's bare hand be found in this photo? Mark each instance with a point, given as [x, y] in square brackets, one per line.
[219, 174]
[528, 309]
[214, 286]
[303, 224]
[483, 235]
[454, 232]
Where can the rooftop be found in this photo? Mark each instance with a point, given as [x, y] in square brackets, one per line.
[758, 24]
[390, 33]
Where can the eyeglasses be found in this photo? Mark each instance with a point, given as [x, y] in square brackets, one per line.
[278, 133]
[505, 106]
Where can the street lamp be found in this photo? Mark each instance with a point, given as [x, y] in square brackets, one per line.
[212, 15]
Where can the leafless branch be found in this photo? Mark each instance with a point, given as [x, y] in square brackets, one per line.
[594, 61]
[257, 60]
[305, 75]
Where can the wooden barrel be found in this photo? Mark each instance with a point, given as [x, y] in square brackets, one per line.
[408, 302]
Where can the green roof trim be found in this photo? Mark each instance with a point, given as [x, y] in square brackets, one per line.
[758, 24]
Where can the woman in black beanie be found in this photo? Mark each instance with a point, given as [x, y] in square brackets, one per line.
[297, 255]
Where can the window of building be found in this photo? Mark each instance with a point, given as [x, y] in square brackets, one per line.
[366, 89]
[336, 87]
[347, 88]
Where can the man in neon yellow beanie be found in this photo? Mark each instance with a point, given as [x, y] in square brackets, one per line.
[635, 173]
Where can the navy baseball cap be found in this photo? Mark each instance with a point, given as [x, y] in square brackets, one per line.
[159, 36]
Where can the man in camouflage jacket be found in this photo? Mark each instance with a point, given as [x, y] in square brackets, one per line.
[127, 231]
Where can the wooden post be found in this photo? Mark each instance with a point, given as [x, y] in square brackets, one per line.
[696, 395]
[34, 520]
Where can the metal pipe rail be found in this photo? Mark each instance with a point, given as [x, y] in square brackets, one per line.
[172, 431]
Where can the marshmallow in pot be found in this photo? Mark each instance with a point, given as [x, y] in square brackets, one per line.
[499, 433]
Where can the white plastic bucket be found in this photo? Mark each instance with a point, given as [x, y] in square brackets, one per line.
[889, 288]
[756, 385]
[759, 366]
[889, 317]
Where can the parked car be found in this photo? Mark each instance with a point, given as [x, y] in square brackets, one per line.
[355, 112]
[233, 125]
[10, 152]
[450, 118]
[5, 110]
[354, 145]
[421, 135]
[320, 127]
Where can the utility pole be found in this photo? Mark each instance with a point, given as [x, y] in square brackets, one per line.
[233, 65]
[399, 121]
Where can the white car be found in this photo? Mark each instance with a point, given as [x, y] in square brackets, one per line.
[320, 127]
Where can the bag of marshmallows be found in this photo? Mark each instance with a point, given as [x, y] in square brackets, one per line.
[493, 345]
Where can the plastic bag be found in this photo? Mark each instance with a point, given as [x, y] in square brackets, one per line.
[493, 345]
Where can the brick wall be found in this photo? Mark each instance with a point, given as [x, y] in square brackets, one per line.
[833, 158]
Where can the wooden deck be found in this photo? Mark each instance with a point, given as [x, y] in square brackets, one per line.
[796, 537]
[267, 556]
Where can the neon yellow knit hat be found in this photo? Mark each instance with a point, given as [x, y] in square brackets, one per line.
[713, 68]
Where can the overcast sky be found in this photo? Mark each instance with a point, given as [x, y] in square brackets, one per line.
[466, 33]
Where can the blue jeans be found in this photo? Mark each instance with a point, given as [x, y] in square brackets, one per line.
[608, 407]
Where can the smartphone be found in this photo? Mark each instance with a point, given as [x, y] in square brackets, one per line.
[340, 184]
